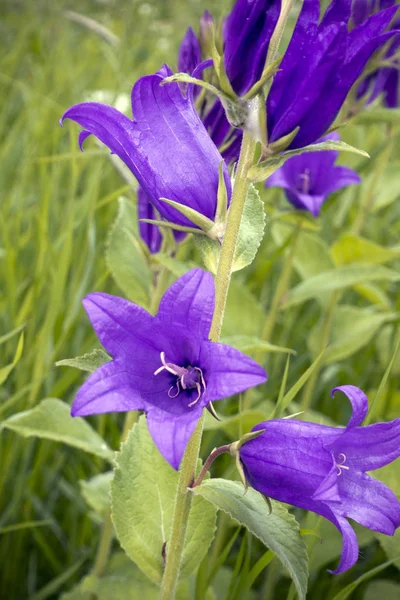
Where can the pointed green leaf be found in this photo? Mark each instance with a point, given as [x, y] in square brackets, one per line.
[278, 530]
[88, 362]
[197, 218]
[338, 279]
[52, 420]
[209, 251]
[263, 170]
[142, 500]
[96, 492]
[168, 225]
[5, 371]
[247, 343]
[7, 336]
[351, 248]
[185, 78]
[125, 256]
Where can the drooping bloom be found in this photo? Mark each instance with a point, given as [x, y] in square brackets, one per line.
[323, 61]
[323, 469]
[166, 147]
[383, 81]
[308, 179]
[164, 364]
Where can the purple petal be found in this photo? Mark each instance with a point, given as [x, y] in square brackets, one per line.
[82, 137]
[247, 32]
[359, 403]
[371, 447]
[227, 371]
[342, 177]
[369, 502]
[310, 202]
[189, 52]
[189, 303]
[171, 435]
[149, 233]
[350, 544]
[107, 390]
[118, 323]
[338, 10]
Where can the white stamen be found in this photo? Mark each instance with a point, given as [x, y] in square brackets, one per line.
[342, 457]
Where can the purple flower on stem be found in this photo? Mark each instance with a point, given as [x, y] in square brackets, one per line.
[323, 469]
[166, 147]
[308, 179]
[150, 233]
[321, 64]
[164, 364]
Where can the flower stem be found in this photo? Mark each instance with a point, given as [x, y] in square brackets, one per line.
[325, 336]
[224, 272]
[180, 517]
[216, 452]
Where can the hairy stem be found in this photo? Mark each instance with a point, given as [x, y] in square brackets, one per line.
[216, 452]
[224, 272]
[183, 501]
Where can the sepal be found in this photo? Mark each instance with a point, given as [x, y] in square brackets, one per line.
[204, 223]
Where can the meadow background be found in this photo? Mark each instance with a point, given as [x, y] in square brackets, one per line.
[56, 209]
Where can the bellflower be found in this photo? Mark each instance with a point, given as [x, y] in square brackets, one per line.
[308, 179]
[150, 233]
[164, 364]
[211, 112]
[247, 32]
[323, 469]
[166, 147]
[323, 61]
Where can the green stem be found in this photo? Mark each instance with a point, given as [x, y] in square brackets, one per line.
[325, 337]
[224, 272]
[281, 288]
[180, 517]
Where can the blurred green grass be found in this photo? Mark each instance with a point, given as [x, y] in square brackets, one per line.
[56, 207]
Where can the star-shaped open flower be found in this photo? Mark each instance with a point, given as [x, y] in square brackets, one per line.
[323, 469]
[308, 179]
[164, 364]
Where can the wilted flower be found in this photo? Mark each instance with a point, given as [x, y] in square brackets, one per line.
[164, 365]
[321, 64]
[308, 179]
[323, 469]
[166, 147]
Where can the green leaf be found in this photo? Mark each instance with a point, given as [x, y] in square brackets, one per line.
[88, 362]
[96, 492]
[51, 420]
[294, 390]
[338, 279]
[250, 235]
[251, 230]
[378, 115]
[263, 170]
[7, 336]
[5, 371]
[243, 314]
[279, 530]
[142, 501]
[125, 255]
[381, 588]
[351, 248]
[349, 589]
[352, 329]
[248, 343]
[204, 223]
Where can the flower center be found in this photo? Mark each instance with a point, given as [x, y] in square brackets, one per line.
[340, 464]
[304, 182]
[187, 378]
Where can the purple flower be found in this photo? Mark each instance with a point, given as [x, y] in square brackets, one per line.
[247, 31]
[166, 147]
[150, 233]
[362, 9]
[308, 179]
[211, 111]
[323, 469]
[164, 365]
[321, 64]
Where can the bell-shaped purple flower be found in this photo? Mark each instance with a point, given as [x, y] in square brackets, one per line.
[164, 364]
[189, 56]
[362, 9]
[247, 31]
[166, 147]
[323, 61]
[323, 469]
[308, 179]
